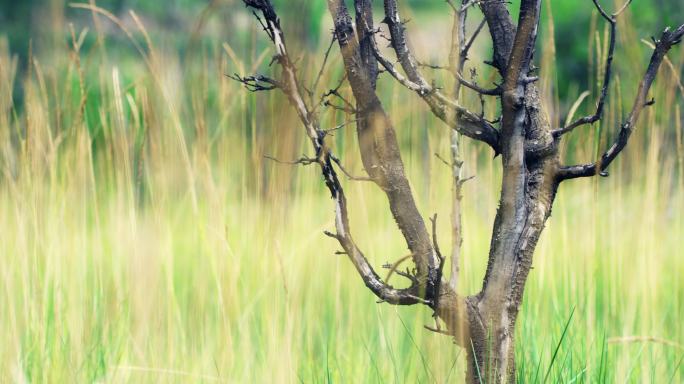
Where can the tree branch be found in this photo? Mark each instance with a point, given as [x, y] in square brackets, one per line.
[467, 45]
[464, 121]
[290, 86]
[320, 72]
[256, 83]
[393, 267]
[667, 40]
[458, 55]
[502, 31]
[612, 20]
[438, 330]
[347, 173]
[383, 163]
[304, 160]
[483, 91]
[347, 106]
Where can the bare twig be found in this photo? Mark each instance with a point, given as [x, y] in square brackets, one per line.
[256, 83]
[433, 220]
[347, 173]
[483, 91]
[465, 180]
[393, 267]
[437, 330]
[348, 106]
[290, 85]
[466, 47]
[447, 163]
[606, 74]
[304, 160]
[408, 275]
[668, 62]
[339, 126]
[320, 72]
[342, 108]
[668, 39]
[464, 121]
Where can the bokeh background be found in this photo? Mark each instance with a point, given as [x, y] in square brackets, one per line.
[144, 236]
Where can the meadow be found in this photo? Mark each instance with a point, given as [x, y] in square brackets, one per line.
[146, 237]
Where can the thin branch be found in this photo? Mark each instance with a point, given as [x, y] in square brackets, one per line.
[256, 83]
[438, 330]
[304, 160]
[483, 91]
[463, 181]
[468, 4]
[263, 25]
[339, 83]
[348, 106]
[339, 107]
[433, 66]
[466, 46]
[320, 72]
[606, 76]
[675, 71]
[463, 120]
[347, 173]
[393, 267]
[667, 40]
[448, 164]
[291, 87]
[603, 12]
[389, 67]
[325, 95]
[458, 55]
[408, 275]
[340, 126]
[433, 220]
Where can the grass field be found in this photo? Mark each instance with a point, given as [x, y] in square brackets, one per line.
[145, 238]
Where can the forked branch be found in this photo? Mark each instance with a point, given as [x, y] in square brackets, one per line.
[290, 86]
[383, 163]
[256, 83]
[596, 116]
[667, 40]
[443, 107]
[496, 91]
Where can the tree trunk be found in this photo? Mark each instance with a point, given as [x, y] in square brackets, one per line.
[484, 323]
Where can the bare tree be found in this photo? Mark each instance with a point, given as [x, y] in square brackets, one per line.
[483, 324]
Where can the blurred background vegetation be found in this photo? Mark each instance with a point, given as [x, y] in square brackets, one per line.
[44, 22]
[145, 237]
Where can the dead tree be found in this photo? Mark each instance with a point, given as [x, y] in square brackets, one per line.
[483, 324]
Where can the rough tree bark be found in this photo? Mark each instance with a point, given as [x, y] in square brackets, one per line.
[483, 323]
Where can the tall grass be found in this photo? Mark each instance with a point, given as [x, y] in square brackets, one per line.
[145, 238]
